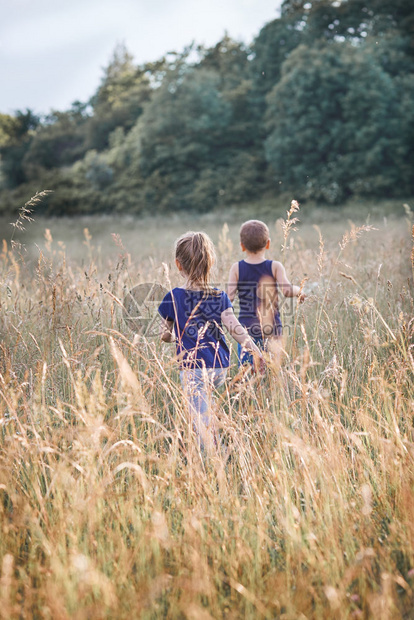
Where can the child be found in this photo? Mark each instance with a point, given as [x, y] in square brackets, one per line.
[196, 312]
[256, 280]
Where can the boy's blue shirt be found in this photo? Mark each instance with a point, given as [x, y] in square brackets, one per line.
[197, 323]
[250, 274]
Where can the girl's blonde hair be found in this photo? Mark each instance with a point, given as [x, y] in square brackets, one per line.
[195, 251]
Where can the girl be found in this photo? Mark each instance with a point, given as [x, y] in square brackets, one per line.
[197, 312]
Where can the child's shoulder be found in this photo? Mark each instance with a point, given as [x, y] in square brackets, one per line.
[176, 291]
[278, 270]
[169, 293]
[200, 295]
[173, 295]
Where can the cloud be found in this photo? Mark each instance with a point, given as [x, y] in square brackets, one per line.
[52, 51]
[50, 30]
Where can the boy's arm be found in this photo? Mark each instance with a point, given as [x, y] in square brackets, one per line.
[167, 330]
[233, 281]
[288, 289]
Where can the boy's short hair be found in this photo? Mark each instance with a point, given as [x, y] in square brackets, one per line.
[254, 235]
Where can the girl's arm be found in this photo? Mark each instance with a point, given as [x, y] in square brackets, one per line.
[288, 289]
[167, 330]
[239, 333]
[233, 281]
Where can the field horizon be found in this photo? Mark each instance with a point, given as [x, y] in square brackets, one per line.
[69, 230]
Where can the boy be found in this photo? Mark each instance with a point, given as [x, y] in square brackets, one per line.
[257, 280]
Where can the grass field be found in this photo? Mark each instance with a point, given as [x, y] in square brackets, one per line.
[108, 510]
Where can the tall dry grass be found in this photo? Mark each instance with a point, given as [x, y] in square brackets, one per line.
[107, 509]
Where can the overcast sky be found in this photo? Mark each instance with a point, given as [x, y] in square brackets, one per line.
[52, 51]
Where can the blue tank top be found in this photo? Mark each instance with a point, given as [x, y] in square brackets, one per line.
[250, 276]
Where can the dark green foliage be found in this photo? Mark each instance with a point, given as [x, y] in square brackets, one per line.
[228, 59]
[58, 142]
[195, 132]
[183, 125]
[271, 48]
[118, 101]
[354, 19]
[16, 135]
[337, 123]
[321, 106]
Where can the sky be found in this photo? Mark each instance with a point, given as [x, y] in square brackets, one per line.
[52, 52]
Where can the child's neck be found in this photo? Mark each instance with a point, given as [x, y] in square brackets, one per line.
[255, 257]
[193, 286]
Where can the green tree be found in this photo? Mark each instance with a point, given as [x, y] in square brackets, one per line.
[180, 132]
[58, 141]
[228, 59]
[119, 99]
[16, 134]
[336, 125]
[352, 19]
[270, 49]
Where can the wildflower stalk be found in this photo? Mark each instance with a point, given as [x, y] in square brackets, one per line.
[26, 211]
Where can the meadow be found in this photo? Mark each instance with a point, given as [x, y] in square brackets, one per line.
[108, 510]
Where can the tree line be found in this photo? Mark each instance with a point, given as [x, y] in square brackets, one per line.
[320, 104]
